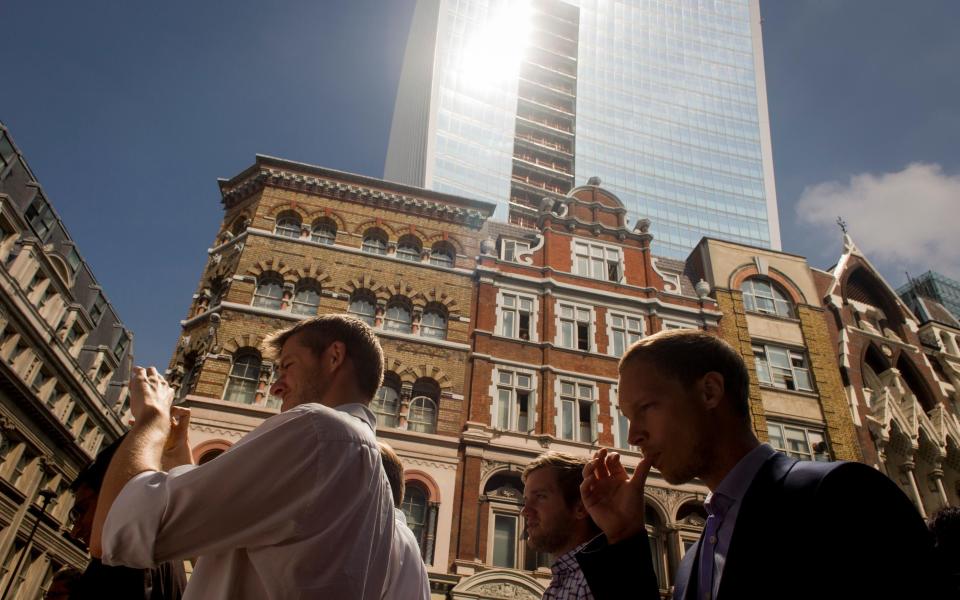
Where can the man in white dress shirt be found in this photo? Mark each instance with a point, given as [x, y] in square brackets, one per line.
[299, 508]
[407, 579]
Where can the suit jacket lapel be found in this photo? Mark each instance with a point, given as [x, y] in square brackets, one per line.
[752, 520]
[684, 572]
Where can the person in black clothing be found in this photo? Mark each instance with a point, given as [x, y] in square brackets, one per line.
[165, 582]
[778, 527]
[945, 527]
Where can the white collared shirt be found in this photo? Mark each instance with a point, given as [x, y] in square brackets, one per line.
[407, 577]
[299, 508]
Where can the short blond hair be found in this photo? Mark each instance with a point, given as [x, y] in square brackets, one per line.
[318, 333]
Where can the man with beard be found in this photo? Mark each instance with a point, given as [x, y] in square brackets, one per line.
[298, 508]
[777, 527]
[557, 521]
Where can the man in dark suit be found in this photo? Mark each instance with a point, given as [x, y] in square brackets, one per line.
[777, 527]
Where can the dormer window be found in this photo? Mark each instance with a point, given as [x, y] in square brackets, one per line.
[510, 250]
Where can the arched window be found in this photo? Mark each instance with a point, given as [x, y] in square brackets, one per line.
[423, 415]
[306, 300]
[374, 241]
[288, 225]
[416, 509]
[433, 323]
[386, 404]
[269, 292]
[364, 307]
[324, 231]
[398, 316]
[244, 377]
[409, 248]
[209, 455]
[763, 296]
[441, 254]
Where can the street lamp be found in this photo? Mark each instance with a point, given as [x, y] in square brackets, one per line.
[47, 496]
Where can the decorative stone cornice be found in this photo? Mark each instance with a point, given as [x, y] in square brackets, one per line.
[234, 193]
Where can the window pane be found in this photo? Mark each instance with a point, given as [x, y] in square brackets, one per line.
[508, 317]
[567, 432]
[503, 409]
[586, 422]
[504, 541]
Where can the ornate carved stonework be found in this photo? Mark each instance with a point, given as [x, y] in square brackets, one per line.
[505, 590]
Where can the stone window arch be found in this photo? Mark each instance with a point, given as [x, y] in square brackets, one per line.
[433, 323]
[375, 241]
[442, 254]
[269, 291]
[409, 248]
[363, 305]
[244, 379]
[386, 402]
[306, 298]
[288, 224]
[324, 231]
[399, 315]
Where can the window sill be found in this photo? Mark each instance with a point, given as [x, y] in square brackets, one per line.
[775, 317]
[803, 393]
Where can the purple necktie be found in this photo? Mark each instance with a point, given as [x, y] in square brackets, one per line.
[716, 507]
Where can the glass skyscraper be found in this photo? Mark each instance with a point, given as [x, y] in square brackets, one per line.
[512, 101]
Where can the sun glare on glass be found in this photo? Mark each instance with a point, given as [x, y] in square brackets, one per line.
[494, 52]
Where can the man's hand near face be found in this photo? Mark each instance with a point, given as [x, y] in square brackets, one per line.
[151, 400]
[613, 499]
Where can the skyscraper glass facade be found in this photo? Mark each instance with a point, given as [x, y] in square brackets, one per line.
[664, 100]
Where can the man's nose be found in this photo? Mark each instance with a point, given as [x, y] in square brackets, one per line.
[278, 388]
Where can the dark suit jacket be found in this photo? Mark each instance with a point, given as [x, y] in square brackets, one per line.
[804, 530]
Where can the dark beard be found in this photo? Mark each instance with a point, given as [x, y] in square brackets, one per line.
[549, 542]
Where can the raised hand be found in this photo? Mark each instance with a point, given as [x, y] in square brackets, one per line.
[613, 499]
[150, 396]
[176, 451]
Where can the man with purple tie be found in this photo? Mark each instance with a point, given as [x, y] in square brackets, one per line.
[777, 527]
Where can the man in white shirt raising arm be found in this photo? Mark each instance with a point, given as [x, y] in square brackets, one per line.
[299, 508]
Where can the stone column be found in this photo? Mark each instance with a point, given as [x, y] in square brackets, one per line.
[936, 475]
[908, 468]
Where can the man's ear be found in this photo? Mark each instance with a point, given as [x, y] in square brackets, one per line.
[335, 355]
[712, 389]
[580, 511]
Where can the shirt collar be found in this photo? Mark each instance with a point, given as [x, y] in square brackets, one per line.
[567, 561]
[360, 411]
[735, 484]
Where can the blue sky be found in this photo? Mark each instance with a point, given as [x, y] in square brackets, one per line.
[129, 112]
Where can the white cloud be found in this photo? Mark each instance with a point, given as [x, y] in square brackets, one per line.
[902, 221]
